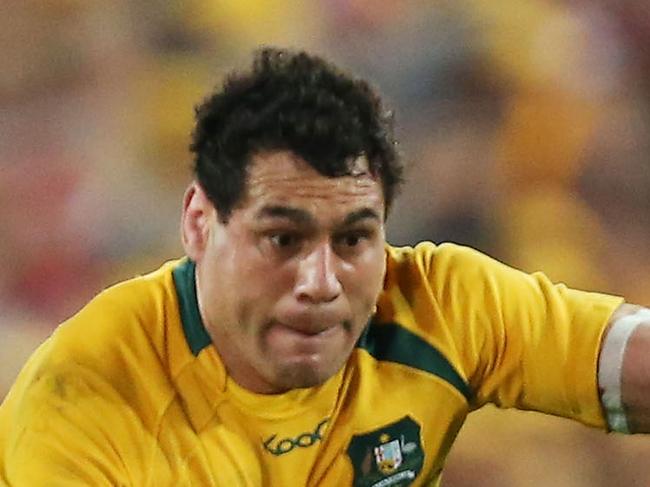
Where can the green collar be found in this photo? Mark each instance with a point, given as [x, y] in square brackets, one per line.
[389, 342]
[195, 333]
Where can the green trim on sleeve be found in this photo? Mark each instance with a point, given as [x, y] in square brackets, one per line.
[185, 281]
[391, 342]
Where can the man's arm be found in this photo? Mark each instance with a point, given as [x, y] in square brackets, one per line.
[62, 424]
[624, 370]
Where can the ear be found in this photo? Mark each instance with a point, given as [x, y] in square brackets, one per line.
[198, 212]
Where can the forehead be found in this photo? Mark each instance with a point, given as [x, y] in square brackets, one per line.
[282, 178]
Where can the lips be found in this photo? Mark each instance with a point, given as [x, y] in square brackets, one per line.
[307, 330]
[310, 320]
[301, 340]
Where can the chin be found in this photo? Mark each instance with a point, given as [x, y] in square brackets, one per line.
[301, 376]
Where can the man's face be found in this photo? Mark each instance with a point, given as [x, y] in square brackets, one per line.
[288, 284]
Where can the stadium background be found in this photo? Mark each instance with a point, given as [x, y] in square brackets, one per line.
[526, 124]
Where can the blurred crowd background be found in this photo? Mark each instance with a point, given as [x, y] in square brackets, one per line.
[525, 124]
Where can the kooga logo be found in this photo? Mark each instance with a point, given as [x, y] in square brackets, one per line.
[304, 440]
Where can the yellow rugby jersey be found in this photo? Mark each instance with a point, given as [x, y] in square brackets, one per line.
[131, 392]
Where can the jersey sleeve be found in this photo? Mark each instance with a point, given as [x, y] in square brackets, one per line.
[61, 426]
[520, 340]
[86, 408]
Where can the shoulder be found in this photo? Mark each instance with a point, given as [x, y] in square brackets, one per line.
[112, 351]
[442, 264]
[427, 254]
[450, 294]
[122, 312]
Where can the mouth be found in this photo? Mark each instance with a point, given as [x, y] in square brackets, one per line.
[305, 331]
[300, 339]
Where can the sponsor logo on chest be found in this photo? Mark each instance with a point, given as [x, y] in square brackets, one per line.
[282, 446]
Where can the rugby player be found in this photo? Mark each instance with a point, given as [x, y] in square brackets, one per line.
[292, 345]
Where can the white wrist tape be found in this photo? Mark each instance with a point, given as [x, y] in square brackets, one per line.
[610, 367]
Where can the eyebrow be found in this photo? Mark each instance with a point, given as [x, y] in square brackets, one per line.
[361, 214]
[303, 217]
[278, 211]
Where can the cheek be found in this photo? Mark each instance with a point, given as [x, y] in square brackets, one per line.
[365, 280]
[260, 284]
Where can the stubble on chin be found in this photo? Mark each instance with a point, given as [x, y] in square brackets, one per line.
[288, 376]
[285, 376]
[299, 377]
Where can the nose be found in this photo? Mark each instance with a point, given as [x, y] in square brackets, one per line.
[317, 280]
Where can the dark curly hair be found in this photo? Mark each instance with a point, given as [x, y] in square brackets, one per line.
[291, 101]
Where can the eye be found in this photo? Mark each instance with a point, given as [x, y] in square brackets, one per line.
[352, 239]
[283, 240]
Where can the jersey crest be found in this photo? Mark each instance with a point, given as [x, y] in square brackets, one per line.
[390, 456]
